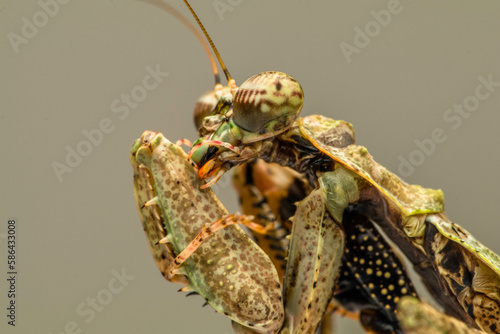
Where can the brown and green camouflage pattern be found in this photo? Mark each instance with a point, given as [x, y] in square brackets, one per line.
[229, 270]
[413, 199]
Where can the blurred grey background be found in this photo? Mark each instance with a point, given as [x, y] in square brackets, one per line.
[66, 68]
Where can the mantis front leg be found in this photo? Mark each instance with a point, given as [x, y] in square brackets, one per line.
[316, 250]
[232, 273]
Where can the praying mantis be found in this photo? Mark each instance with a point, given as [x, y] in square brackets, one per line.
[259, 119]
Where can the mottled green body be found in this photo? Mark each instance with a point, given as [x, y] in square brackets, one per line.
[466, 269]
[233, 274]
[372, 277]
[459, 235]
[419, 318]
[258, 120]
[413, 199]
[467, 289]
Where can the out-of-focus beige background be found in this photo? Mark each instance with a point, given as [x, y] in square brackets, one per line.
[71, 70]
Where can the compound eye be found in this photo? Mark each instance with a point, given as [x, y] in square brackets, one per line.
[207, 103]
[267, 102]
[204, 107]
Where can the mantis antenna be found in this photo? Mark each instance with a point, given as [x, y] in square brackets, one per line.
[221, 62]
[172, 11]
